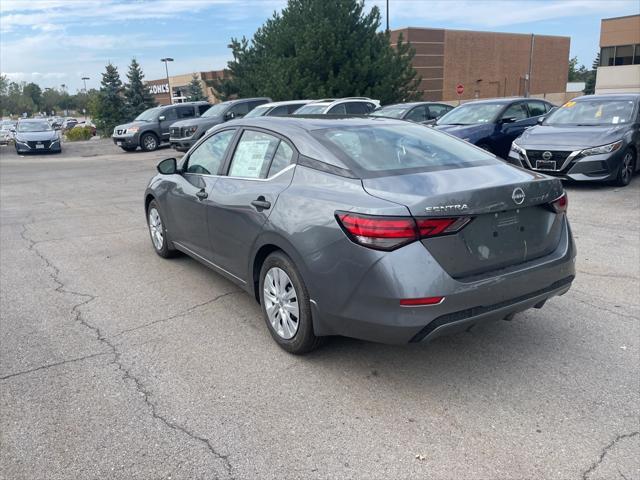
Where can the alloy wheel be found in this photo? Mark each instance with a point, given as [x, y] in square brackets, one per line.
[281, 303]
[155, 228]
[149, 142]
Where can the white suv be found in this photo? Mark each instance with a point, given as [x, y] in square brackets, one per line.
[339, 106]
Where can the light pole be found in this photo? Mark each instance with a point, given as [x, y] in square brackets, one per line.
[84, 79]
[166, 69]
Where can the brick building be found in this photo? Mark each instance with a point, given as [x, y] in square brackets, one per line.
[178, 85]
[619, 70]
[487, 64]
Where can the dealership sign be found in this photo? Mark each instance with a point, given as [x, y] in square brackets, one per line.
[159, 88]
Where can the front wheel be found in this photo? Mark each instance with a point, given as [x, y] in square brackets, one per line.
[627, 168]
[149, 142]
[286, 306]
[158, 231]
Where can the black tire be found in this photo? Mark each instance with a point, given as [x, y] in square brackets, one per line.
[166, 250]
[129, 149]
[627, 168]
[149, 142]
[304, 340]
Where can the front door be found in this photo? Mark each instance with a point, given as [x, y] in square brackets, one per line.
[241, 202]
[191, 193]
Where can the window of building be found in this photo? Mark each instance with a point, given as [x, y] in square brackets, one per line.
[624, 55]
[636, 56]
[606, 56]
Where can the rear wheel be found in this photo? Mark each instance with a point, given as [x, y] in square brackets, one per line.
[158, 231]
[627, 167]
[286, 306]
[149, 142]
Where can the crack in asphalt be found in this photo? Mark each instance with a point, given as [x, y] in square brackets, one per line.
[54, 273]
[56, 364]
[599, 307]
[179, 314]
[608, 275]
[604, 452]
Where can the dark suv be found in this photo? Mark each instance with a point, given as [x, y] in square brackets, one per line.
[187, 132]
[151, 127]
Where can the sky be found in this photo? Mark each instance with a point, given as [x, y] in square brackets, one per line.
[55, 42]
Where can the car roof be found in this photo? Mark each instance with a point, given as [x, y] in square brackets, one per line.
[314, 122]
[31, 120]
[285, 102]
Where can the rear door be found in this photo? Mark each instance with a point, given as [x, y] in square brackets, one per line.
[242, 200]
[170, 116]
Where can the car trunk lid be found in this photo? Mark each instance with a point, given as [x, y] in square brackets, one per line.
[511, 222]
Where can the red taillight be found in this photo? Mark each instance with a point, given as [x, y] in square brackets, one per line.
[389, 233]
[419, 302]
[561, 203]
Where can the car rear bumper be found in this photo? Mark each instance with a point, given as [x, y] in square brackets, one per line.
[373, 311]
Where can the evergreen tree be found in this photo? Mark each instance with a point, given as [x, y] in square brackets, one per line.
[137, 95]
[194, 89]
[110, 106]
[590, 87]
[321, 48]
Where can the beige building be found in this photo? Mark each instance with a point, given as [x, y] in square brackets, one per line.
[487, 64]
[178, 86]
[619, 70]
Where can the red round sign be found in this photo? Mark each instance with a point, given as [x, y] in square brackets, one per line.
[459, 89]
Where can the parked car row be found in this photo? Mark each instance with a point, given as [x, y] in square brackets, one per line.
[492, 124]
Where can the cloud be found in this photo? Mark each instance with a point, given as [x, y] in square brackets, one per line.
[495, 13]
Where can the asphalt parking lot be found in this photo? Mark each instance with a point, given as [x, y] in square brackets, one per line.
[115, 363]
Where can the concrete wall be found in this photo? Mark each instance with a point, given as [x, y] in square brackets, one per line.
[618, 79]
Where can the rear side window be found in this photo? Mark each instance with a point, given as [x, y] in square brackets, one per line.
[356, 108]
[203, 108]
[418, 114]
[517, 111]
[393, 149]
[436, 111]
[339, 109]
[536, 108]
[253, 155]
[186, 112]
[282, 159]
[240, 110]
[256, 103]
[280, 111]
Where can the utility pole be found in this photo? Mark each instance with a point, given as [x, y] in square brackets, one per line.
[387, 15]
[84, 79]
[528, 77]
[166, 69]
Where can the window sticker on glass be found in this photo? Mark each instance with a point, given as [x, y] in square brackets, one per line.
[249, 158]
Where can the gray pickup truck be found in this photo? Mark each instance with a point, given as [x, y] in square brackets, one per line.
[151, 128]
[187, 132]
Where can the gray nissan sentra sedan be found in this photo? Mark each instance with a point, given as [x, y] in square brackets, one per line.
[365, 227]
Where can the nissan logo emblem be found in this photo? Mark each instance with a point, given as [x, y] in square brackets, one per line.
[518, 196]
[547, 156]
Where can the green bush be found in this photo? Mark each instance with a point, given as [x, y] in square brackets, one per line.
[79, 133]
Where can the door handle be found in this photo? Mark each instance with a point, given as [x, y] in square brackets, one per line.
[261, 204]
[201, 194]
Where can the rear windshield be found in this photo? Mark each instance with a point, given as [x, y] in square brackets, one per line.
[375, 150]
[594, 112]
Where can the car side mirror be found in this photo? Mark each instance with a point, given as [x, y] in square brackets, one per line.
[162, 118]
[168, 166]
[540, 120]
[229, 115]
[12, 130]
